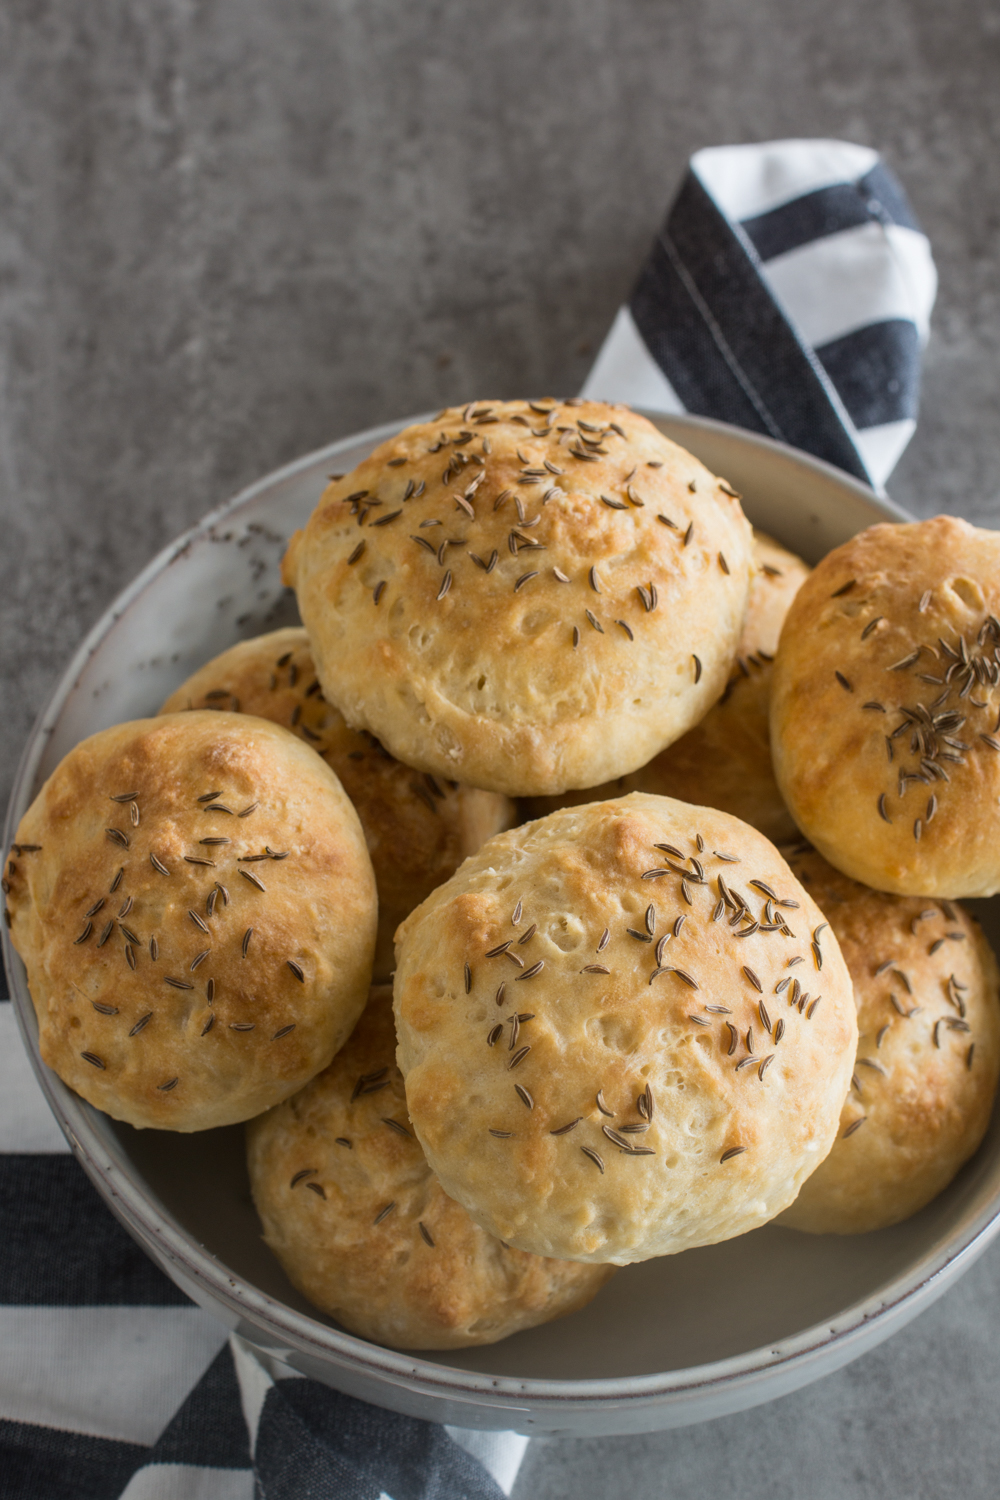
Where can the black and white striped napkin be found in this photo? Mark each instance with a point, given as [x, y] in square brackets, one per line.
[789, 292]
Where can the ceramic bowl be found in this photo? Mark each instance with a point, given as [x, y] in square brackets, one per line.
[673, 1341]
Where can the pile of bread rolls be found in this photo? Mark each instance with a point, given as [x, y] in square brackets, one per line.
[720, 975]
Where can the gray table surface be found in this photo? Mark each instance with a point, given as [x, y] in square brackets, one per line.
[232, 230]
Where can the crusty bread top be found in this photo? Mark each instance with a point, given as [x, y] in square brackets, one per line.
[725, 761]
[527, 597]
[195, 908]
[625, 1030]
[926, 986]
[886, 705]
[363, 1227]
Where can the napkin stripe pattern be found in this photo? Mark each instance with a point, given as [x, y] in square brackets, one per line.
[37, 1462]
[307, 1439]
[205, 1449]
[789, 292]
[97, 1347]
[724, 343]
[829, 210]
[61, 1250]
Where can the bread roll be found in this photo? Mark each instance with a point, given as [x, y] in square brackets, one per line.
[926, 985]
[725, 761]
[418, 828]
[885, 709]
[195, 907]
[615, 1035]
[525, 596]
[364, 1229]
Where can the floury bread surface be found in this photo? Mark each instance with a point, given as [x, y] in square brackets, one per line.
[625, 1031]
[886, 705]
[926, 985]
[195, 907]
[528, 597]
[365, 1231]
[418, 828]
[725, 761]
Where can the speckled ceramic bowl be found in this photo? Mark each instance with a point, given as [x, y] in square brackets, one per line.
[666, 1343]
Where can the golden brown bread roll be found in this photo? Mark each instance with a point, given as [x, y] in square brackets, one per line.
[364, 1229]
[525, 596]
[725, 761]
[926, 985]
[418, 828]
[195, 907]
[885, 708]
[625, 1031]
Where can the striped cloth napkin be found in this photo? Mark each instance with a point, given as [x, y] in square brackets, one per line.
[789, 292]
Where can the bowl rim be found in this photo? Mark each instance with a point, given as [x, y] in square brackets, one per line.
[256, 1312]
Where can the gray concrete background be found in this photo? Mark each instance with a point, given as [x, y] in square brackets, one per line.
[232, 230]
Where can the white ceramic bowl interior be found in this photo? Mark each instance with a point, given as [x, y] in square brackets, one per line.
[670, 1342]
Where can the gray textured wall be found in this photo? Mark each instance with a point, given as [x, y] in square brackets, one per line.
[231, 230]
